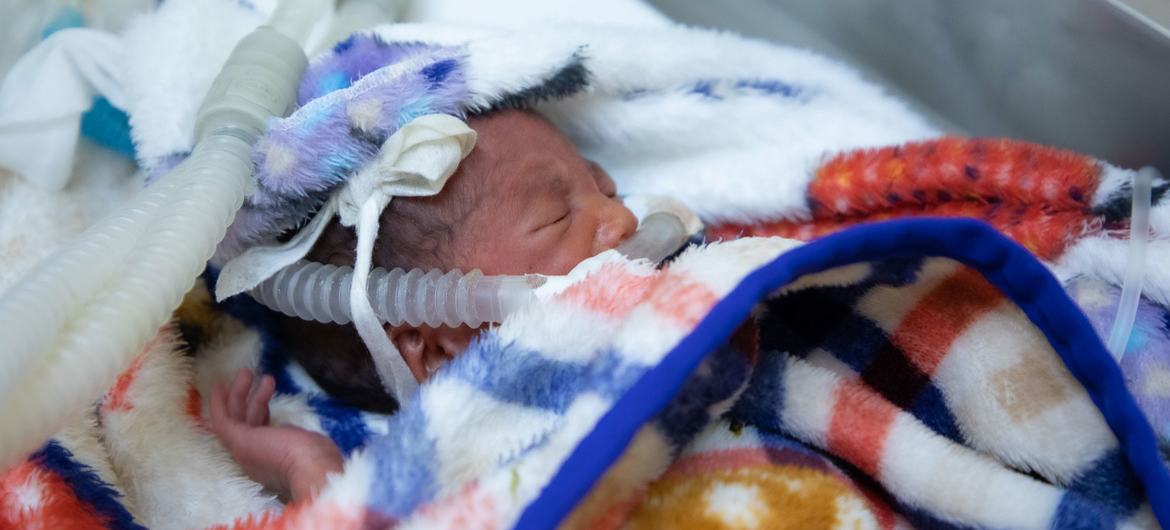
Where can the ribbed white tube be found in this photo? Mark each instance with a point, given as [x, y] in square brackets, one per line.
[354, 15]
[75, 323]
[112, 329]
[295, 18]
[34, 312]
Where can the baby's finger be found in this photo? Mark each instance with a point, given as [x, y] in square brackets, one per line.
[238, 395]
[230, 432]
[218, 406]
[258, 402]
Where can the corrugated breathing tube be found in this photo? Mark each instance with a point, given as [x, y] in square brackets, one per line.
[71, 326]
[313, 291]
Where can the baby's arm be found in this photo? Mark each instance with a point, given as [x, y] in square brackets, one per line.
[288, 460]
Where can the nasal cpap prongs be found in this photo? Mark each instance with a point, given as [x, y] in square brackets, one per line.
[314, 291]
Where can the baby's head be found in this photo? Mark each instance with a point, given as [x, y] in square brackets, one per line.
[524, 201]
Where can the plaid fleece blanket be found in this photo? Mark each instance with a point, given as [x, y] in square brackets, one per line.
[918, 373]
[892, 393]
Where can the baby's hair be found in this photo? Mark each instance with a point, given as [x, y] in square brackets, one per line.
[413, 232]
[422, 232]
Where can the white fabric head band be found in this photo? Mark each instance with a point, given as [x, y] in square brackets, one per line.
[415, 161]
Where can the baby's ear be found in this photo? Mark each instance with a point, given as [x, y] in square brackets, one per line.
[412, 345]
[425, 349]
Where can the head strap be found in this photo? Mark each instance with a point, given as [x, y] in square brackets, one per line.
[416, 161]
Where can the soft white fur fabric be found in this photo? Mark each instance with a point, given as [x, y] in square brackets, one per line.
[175, 54]
[34, 222]
[1106, 256]
[174, 464]
[743, 159]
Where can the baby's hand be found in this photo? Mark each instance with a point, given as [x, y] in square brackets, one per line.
[288, 460]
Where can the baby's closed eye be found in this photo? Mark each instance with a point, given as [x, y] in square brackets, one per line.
[553, 215]
[560, 219]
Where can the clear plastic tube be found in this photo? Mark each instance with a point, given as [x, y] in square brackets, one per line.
[70, 327]
[1139, 233]
[314, 291]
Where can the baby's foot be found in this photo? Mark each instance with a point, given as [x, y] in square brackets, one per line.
[288, 460]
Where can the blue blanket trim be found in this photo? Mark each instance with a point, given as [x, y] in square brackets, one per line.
[1004, 263]
[87, 486]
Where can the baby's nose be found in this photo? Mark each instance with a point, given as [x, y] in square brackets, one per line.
[617, 223]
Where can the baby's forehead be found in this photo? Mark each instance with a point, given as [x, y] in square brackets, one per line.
[514, 133]
[519, 151]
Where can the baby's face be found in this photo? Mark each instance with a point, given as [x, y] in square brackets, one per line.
[533, 206]
[541, 207]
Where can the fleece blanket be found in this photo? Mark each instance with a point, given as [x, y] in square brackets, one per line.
[925, 372]
[620, 401]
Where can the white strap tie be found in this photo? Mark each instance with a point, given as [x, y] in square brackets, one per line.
[416, 161]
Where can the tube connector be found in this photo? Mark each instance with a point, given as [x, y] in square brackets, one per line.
[258, 81]
[659, 235]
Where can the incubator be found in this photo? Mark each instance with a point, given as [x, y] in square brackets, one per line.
[91, 307]
[1088, 75]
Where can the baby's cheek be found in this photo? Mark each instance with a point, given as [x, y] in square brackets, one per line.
[569, 256]
[534, 254]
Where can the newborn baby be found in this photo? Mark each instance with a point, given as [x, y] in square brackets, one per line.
[524, 201]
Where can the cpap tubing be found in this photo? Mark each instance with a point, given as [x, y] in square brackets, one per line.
[74, 323]
[313, 291]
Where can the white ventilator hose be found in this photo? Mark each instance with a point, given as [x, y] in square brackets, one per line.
[314, 291]
[75, 323]
[354, 15]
